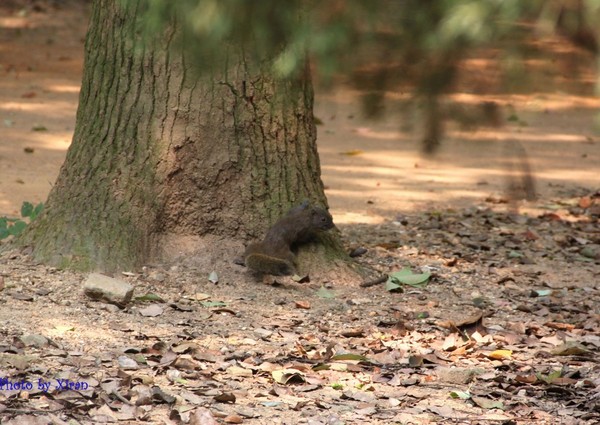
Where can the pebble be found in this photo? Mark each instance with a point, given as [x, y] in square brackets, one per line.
[107, 289]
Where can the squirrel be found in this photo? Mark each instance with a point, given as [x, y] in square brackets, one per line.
[274, 254]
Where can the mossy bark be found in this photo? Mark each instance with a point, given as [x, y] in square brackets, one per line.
[158, 151]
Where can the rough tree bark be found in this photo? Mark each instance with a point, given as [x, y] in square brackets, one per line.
[159, 152]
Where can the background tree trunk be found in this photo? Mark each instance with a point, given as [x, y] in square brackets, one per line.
[158, 152]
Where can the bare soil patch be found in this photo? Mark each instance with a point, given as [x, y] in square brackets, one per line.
[506, 331]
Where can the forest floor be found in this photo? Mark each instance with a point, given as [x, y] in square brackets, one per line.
[506, 329]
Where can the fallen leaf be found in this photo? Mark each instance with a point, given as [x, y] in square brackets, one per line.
[540, 292]
[570, 348]
[225, 398]
[560, 326]
[302, 304]
[283, 376]
[202, 416]
[150, 297]
[500, 354]
[407, 277]
[585, 202]
[486, 403]
[352, 152]
[549, 378]
[349, 356]
[325, 293]
[152, 310]
[463, 395]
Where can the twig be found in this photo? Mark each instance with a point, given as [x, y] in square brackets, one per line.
[374, 282]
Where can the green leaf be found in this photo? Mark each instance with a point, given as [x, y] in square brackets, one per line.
[17, 228]
[548, 379]
[3, 223]
[321, 366]
[486, 403]
[392, 286]
[325, 293]
[406, 277]
[350, 356]
[26, 209]
[209, 304]
[4, 233]
[150, 297]
[463, 395]
[541, 292]
[37, 210]
[515, 254]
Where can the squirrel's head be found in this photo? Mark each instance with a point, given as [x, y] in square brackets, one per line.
[321, 219]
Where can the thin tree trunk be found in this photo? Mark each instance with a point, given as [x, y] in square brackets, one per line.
[159, 152]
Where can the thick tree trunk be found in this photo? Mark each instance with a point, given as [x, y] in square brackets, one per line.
[158, 152]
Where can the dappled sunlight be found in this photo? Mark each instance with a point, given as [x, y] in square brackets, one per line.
[535, 135]
[63, 88]
[377, 183]
[76, 332]
[537, 101]
[50, 109]
[15, 22]
[373, 134]
[373, 170]
[5, 205]
[51, 140]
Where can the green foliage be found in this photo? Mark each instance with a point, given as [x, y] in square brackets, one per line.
[15, 226]
[380, 46]
[405, 277]
[278, 33]
[286, 33]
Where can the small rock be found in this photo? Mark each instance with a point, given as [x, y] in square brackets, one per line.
[143, 394]
[108, 289]
[591, 251]
[152, 310]
[34, 340]
[357, 252]
[111, 308]
[157, 276]
[262, 333]
[127, 363]
[458, 375]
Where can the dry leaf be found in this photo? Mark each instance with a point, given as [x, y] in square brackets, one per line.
[302, 304]
[500, 354]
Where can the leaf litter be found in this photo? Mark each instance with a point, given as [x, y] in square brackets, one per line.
[477, 334]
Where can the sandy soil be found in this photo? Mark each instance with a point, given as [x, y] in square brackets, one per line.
[41, 60]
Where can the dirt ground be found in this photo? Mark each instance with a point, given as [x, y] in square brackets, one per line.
[506, 331]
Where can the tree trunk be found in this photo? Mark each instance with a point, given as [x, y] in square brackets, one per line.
[158, 153]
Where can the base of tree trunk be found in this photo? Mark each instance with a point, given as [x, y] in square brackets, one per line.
[216, 254]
